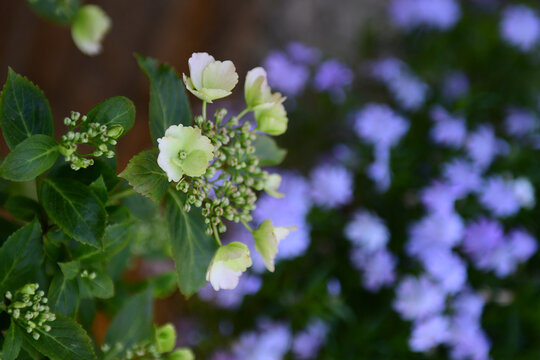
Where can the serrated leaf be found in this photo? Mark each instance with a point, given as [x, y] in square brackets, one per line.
[145, 175]
[24, 110]
[115, 239]
[58, 11]
[101, 287]
[12, 343]
[20, 257]
[100, 189]
[63, 296]
[70, 269]
[118, 110]
[30, 158]
[23, 208]
[75, 209]
[132, 324]
[66, 340]
[168, 101]
[267, 151]
[192, 248]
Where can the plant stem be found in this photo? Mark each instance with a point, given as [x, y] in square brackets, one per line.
[242, 113]
[216, 235]
[204, 110]
[247, 226]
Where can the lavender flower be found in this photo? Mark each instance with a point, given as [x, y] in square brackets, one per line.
[468, 340]
[331, 185]
[446, 268]
[468, 304]
[378, 267]
[437, 14]
[368, 231]
[429, 333]
[522, 245]
[525, 193]
[499, 197]
[271, 342]
[439, 197]
[448, 130]
[285, 75]
[379, 171]
[520, 122]
[481, 239]
[482, 146]
[332, 75]
[455, 85]
[379, 125]
[418, 298]
[307, 343]
[520, 27]
[463, 177]
[435, 230]
[302, 54]
[231, 299]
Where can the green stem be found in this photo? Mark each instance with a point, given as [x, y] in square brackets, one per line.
[216, 235]
[242, 113]
[247, 226]
[120, 195]
[204, 110]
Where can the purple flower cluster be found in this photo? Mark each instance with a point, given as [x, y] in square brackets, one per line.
[307, 343]
[271, 341]
[448, 130]
[520, 122]
[455, 85]
[381, 127]
[369, 236]
[331, 185]
[436, 14]
[520, 27]
[408, 90]
[232, 299]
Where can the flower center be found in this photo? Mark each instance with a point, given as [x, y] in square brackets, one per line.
[182, 154]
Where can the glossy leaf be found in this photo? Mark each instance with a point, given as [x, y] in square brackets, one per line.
[70, 269]
[117, 110]
[192, 248]
[75, 209]
[31, 158]
[20, 257]
[101, 287]
[267, 151]
[24, 110]
[58, 11]
[63, 296]
[168, 101]
[12, 343]
[146, 177]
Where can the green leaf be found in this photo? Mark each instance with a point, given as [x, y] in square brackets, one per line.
[23, 208]
[192, 248]
[100, 189]
[267, 151]
[145, 175]
[117, 110]
[66, 340]
[115, 239]
[12, 343]
[31, 158]
[168, 101]
[20, 257]
[132, 324]
[58, 11]
[24, 110]
[70, 269]
[164, 285]
[63, 296]
[75, 209]
[101, 287]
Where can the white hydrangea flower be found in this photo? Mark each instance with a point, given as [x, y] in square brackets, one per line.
[89, 27]
[228, 264]
[184, 150]
[257, 92]
[272, 120]
[267, 238]
[210, 79]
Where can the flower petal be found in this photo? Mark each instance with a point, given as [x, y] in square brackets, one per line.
[220, 75]
[197, 63]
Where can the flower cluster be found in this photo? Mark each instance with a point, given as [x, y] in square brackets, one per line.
[28, 307]
[520, 27]
[437, 14]
[83, 132]
[214, 163]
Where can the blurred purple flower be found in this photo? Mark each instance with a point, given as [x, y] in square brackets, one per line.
[271, 342]
[435, 230]
[462, 176]
[285, 75]
[448, 130]
[482, 146]
[418, 298]
[331, 185]
[379, 170]
[467, 339]
[522, 245]
[520, 122]
[379, 125]
[332, 75]
[468, 304]
[439, 197]
[231, 299]
[307, 343]
[481, 239]
[455, 85]
[520, 27]
[378, 267]
[367, 231]
[429, 333]
[498, 196]
[446, 268]
[438, 14]
[303, 54]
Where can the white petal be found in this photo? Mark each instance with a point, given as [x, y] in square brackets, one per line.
[197, 63]
[281, 232]
[223, 277]
[220, 75]
[253, 74]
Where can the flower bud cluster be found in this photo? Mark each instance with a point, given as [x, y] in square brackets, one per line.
[28, 307]
[83, 132]
[228, 189]
[142, 350]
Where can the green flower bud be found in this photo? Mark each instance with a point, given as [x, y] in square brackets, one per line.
[271, 185]
[181, 354]
[165, 338]
[272, 120]
[228, 264]
[257, 92]
[115, 131]
[89, 27]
